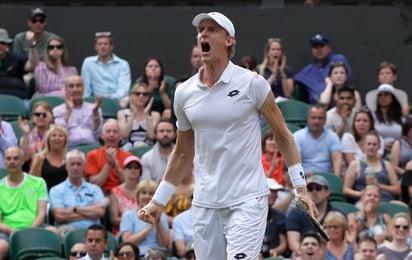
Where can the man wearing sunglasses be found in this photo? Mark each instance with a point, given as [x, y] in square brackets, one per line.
[37, 22]
[75, 203]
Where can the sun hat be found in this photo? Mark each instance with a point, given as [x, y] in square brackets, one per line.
[371, 96]
[219, 18]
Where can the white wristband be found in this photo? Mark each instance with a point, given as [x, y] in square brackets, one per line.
[164, 192]
[297, 176]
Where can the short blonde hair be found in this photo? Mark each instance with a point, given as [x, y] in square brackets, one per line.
[145, 185]
[52, 129]
[335, 217]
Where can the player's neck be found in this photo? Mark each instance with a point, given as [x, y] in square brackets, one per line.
[212, 72]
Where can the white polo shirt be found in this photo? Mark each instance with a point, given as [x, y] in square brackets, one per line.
[226, 125]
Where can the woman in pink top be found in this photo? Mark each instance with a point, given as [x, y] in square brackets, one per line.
[123, 197]
[51, 74]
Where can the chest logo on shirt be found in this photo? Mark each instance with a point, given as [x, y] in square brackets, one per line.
[233, 93]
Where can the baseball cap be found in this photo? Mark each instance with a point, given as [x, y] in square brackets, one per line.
[319, 39]
[4, 36]
[274, 185]
[131, 159]
[219, 18]
[318, 180]
[37, 12]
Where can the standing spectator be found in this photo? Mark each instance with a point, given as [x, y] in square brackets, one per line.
[320, 147]
[123, 197]
[155, 160]
[272, 159]
[82, 120]
[23, 199]
[137, 122]
[34, 140]
[340, 118]
[386, 103]
[37, 22]
[51, 74]
[195, 60]
[387, 74]
[14, 65]
[96, 242]
[50, 162]
[314, 74]
[75, 203]
[103, 165]
[105, 74]
[7, 139]
[401, 152]
[338, 78]
[159, 89]
[275, 70]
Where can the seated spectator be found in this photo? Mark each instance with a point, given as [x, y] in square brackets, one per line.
[371, 170]
[154, 77]
[338, 78]
[275, 70]
[285, 199]
[75, 203]
[51, 74]
[297, 223]
[310, 247]
[7, 138]
[123, 197]
[401, 152]
[34, 141]
[274, 241]
[340, 117]
[386, 103]
[313, 76]
[103, 165]
[29, 204]
[127, 251]
[105, 75]
[387, 74]
[182, 232]
[368, 250]
[248, 62]
[342, 243]
[154, 254]
[82, 120]
[319, 147]
[50, 162]
[353, 143]
[96, 242]
[77, 251]
[137, 122]
[398, 247]
[368, 221]
[272, 159]
[144, 235]
[37, 23]
[406, 187]
[14, 65]
[195, 60]
[155, 160]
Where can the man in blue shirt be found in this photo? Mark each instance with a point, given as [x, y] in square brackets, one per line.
[105, 74]
[312, 77]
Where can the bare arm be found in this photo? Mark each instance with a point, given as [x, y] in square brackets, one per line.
[293, 240]
[350, 176]
[284, 204]
[180, 247]
[115, 217]
[287, 86]
[281, 248]
[125, 126]
[41, 213]
[349, 157]
[337, 162]
[161, 235]
[394, 186]
[137, 238]
[101, 177]
[326, 95]
[395, 153]
[37, 164]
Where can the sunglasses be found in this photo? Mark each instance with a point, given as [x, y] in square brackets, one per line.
[145, 94]
[52, 47]
[125, 253]
[317, 188]
[40, 20]
[136, 167]
[77, 253]
[332, 227]
[401, 226]
[40, 114]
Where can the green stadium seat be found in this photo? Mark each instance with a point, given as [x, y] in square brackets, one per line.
[11, 108]
[109, 106]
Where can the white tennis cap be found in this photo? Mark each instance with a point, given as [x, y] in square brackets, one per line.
[219, 18]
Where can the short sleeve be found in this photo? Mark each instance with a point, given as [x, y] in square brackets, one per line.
[259, 90]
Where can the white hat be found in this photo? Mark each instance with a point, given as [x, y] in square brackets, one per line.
[219, 18]
[274, 185]
[371, 96]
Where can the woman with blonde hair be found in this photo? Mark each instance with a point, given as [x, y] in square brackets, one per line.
[51, 74]
[50, 163]
[137, 123]
[275, 70]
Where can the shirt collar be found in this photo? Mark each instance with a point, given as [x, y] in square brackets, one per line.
[225, 77]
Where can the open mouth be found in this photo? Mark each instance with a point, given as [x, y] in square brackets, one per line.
[205, 46]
